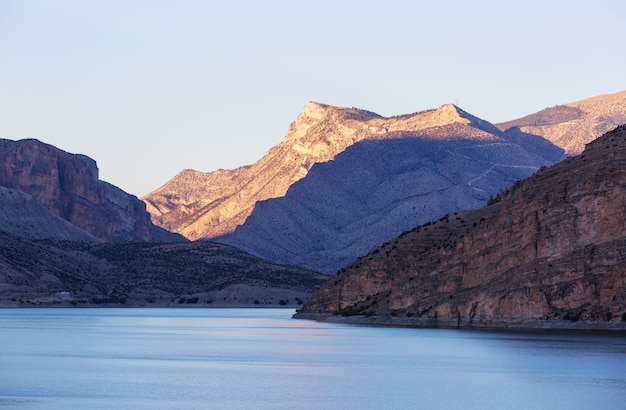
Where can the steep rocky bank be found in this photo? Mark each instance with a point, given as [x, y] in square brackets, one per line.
[549, 252]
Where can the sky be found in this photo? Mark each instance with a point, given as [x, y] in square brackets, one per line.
[148, 88]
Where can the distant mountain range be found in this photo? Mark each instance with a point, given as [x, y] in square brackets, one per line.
[344, 180]
[550, 252]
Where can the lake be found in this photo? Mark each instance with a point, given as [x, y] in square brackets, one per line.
[263, 359]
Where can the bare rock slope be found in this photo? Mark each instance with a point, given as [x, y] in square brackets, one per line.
[549, 252]
[573, 125]
[49, 193]
[377, 188]
[208, 205]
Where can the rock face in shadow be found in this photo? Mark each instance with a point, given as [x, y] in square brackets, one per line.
[575, 124]
[549, 252]
[21, 215]
[66, 186]
[376, 189]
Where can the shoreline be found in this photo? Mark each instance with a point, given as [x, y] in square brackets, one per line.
[509, 324]
[68, 305]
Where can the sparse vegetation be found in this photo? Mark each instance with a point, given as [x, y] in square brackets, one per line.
[157, 274]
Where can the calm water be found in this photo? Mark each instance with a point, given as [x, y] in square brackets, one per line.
[262, 359]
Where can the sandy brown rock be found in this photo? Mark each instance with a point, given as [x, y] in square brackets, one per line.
[552, 249]
[211, 205]
[571, 126]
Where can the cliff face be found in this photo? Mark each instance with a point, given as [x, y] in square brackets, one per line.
[575, 124]
[21, 215]
[67, 186]
[551, 250]
[212, 205]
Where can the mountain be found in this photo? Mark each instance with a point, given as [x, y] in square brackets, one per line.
[550, 252]
[210, 205]
[49, 193]
[202, 274]
[573, 125]
[377, 188]
[205, 205]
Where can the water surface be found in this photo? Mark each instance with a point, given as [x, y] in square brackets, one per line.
[262, 359]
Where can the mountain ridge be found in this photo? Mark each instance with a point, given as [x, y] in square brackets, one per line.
[376, 189]
[570, 126]
[226, 198]
[61, 273]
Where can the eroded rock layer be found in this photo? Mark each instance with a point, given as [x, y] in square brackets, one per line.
[549, 252]
[44, 190]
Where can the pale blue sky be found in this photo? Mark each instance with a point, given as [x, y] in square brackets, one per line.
[148, 88]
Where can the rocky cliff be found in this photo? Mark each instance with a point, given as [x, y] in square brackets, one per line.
[549, 252]
[50, 193]
[575, 124]
[21, 215]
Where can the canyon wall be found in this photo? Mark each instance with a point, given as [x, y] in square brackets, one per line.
[550, 251]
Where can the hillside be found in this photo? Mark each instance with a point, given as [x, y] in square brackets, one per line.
[21, 215]
[201, 274]
[376, 189]
[210, 205]
[549, 253]
[69, 239]
[46, 192]
[571, 126]
[205, 205]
